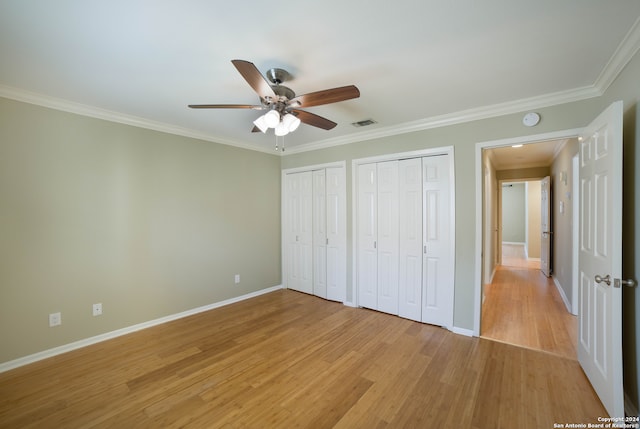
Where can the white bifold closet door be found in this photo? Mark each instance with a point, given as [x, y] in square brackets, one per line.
[299, 232]
[336, 239]
[316, 202]
[438, 259]
[410, 239]
[405, 266]
[388, 237]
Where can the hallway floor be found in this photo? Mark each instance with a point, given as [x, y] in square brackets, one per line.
[523, 307]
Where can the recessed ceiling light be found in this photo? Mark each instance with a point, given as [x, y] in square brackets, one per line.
[516, 145]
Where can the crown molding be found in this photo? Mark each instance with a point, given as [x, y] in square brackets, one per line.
[460, 117]
[620, 58]
[623, 54]
[108, 115]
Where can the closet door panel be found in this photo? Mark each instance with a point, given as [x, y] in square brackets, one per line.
[367, 275]
[306, 233]
[336, 234]
[319, 225]
[299, 226]
[388, 237]
[410, 238]
[437, 303]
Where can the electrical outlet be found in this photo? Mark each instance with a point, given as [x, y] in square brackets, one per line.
[237, 278]
[55, 319]
[97, 309]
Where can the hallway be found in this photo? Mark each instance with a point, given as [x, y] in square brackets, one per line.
[523, 307]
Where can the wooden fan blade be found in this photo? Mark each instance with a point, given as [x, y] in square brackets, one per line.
[313, 119]
[327, 96]
[225, 106]
[254, 78]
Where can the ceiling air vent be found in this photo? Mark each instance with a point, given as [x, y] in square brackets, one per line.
[364, 123]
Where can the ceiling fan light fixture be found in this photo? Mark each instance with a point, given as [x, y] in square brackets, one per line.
[261, 124]
[272, 118]
[291, 122]
[281, 130]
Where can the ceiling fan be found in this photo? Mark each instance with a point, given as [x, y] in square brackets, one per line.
[281, 103]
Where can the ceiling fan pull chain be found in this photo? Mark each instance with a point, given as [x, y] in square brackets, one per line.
[281, 146]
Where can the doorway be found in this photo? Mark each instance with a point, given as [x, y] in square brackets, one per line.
[520, 223]
[518, 303]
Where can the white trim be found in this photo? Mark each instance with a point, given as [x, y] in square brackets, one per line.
[623, 54]
[6, 366]
[480, 146]
[575, 231]
[462, 331]
[515, 243]
[339, 164]
[443, 150]
[349, 304]
[484, 112]
[567, 304]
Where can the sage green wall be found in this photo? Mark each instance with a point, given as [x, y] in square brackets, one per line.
[513, 213]
[148, 224]
[463, 138]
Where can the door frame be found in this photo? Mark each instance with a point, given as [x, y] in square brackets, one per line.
[479, 245]
[445, 150]
[575, 201]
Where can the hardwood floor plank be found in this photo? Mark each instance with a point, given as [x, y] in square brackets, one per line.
[523, 307]
[287, 359]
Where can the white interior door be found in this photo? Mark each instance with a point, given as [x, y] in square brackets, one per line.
[367, 236]
[336, 227]
[600, 257]
[438, 261]
[319, 234]
[388, 237]
[410, 261]
[545, 226]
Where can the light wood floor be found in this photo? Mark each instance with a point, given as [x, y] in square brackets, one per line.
[513, 256]
[286, 360]
[523, 307]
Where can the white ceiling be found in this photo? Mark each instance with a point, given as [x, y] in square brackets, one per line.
[417, 63]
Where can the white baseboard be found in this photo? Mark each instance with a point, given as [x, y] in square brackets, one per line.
[562, 295]
[462, 331]
[6, 366]
[349, 304]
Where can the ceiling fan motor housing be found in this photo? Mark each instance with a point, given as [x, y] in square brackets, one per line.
[277, 76]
